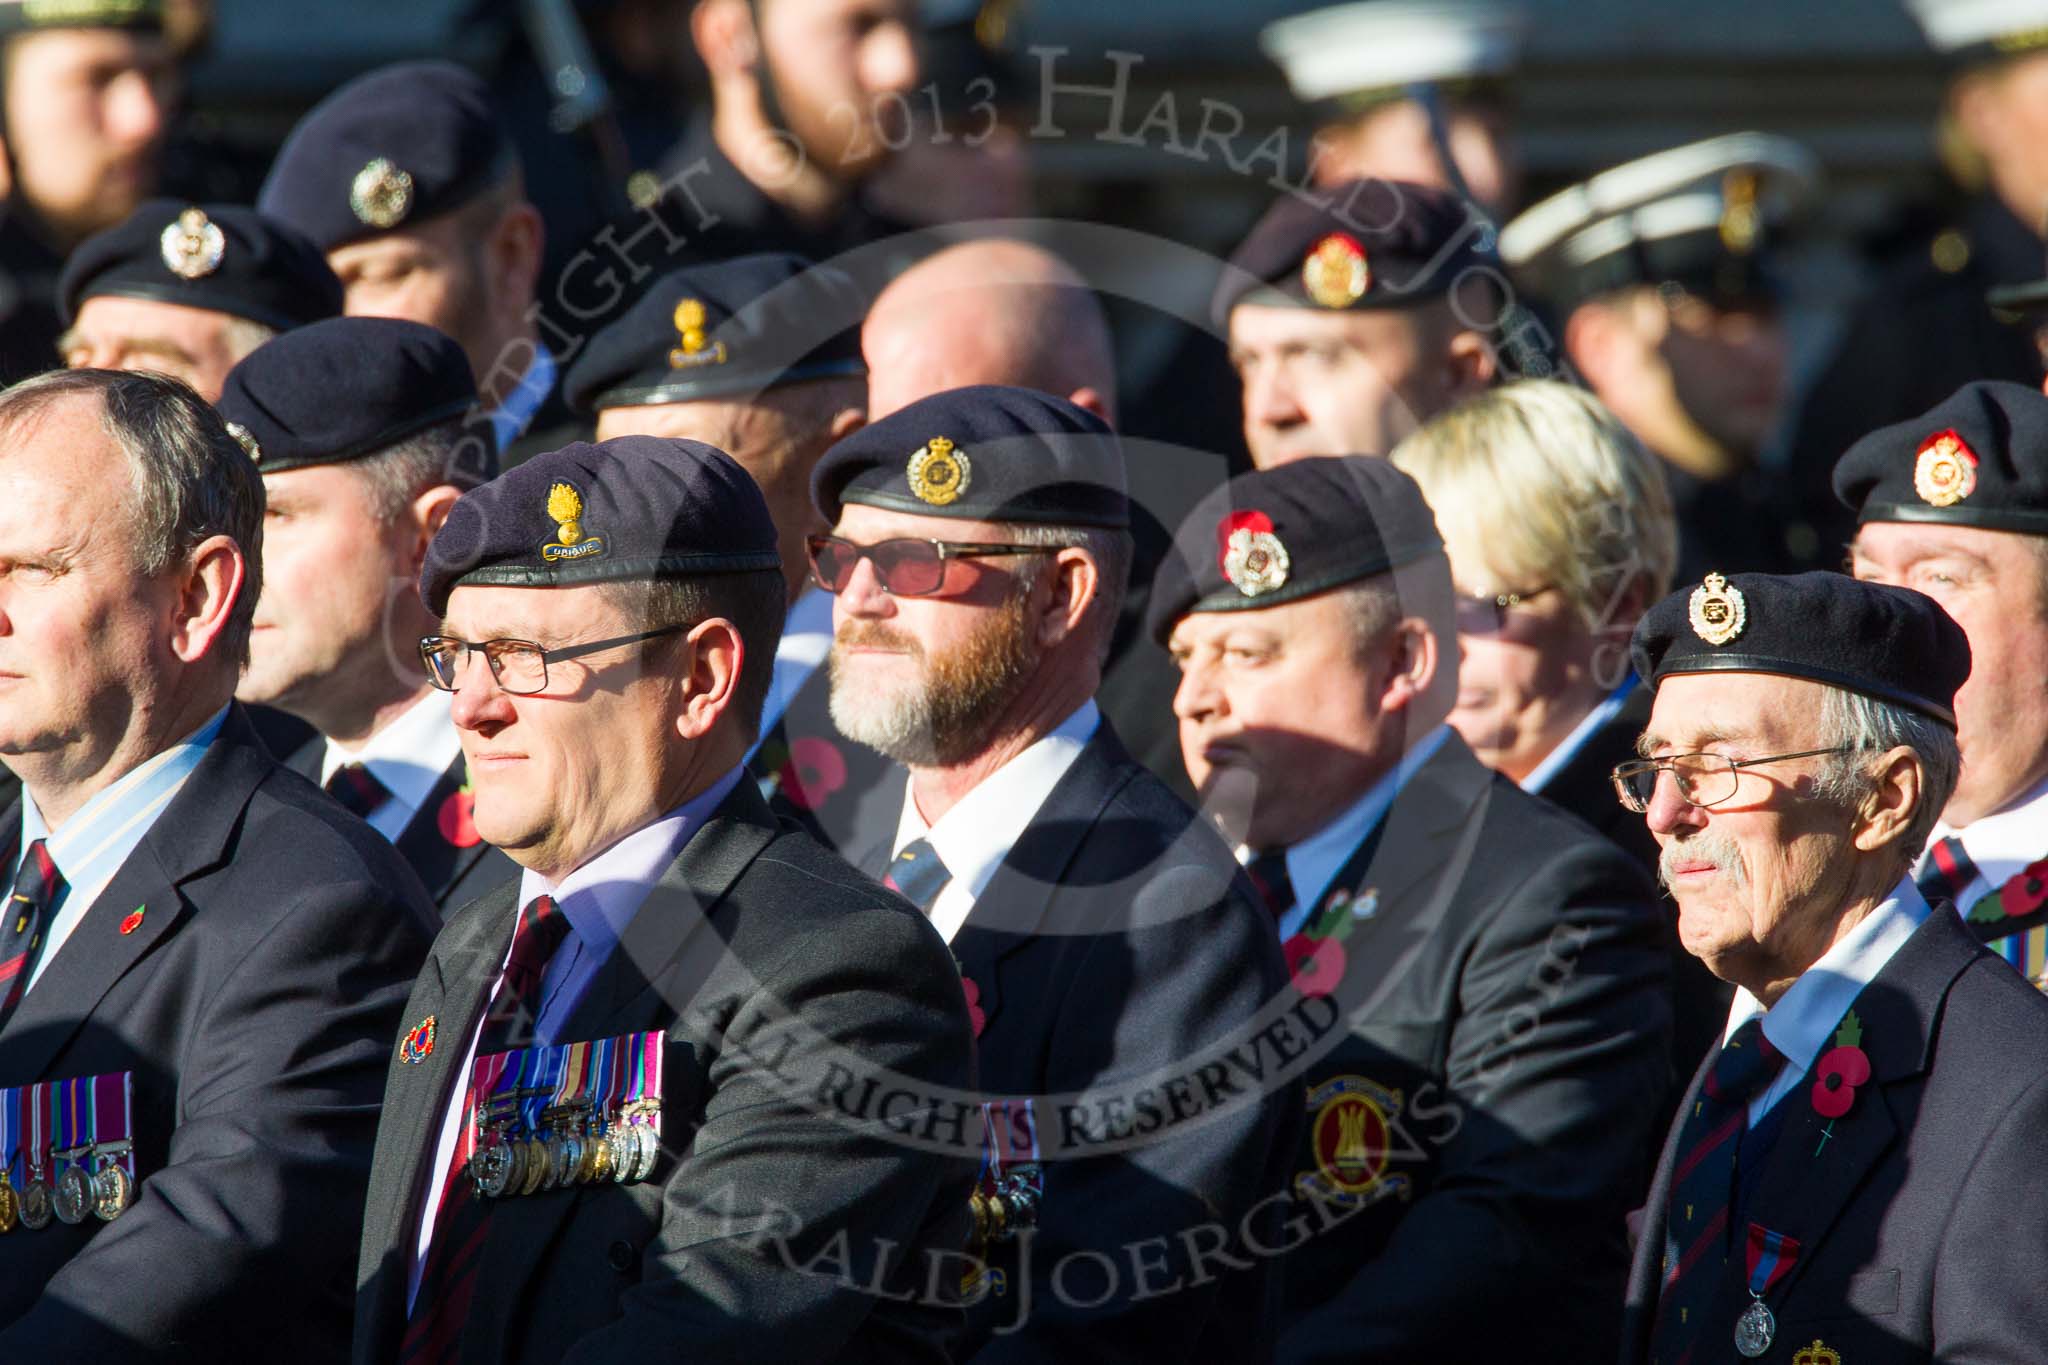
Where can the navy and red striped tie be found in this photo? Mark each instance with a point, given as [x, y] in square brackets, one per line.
[358, 790]
[448, 1279]
[36, 888]
[1948, 873]
[1702, 1184]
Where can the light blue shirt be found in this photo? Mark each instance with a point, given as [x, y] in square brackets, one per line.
[806, 640]
[1315, 862]
[510, 419]
[1568, 748]
[98, 838]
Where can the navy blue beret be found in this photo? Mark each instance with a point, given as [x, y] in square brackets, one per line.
[983, 453]
[221, 257]
[1360, 244]
[631, 509]
[398, 145]
[1890, 643]
[1297, 529]
[1979, 458]
[26, 16]
[349, 387]
[729, 327]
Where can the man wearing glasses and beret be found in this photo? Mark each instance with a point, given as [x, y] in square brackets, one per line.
[1489, 975]
[1112, 953]
[1851, 1176]
[650, 1091]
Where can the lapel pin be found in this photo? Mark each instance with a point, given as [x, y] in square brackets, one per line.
[418, 1044]
[133, 922]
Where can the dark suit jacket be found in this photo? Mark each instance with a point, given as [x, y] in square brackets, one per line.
[1115, 948]
[1507, 986]
[1921, 1220]
[845, 794]
[784, 982]
[438, 842]
[254, 1004]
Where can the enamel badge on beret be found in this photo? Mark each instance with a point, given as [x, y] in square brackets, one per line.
[1252, 557]
[1717, 611]
[246, 440]
[193, 245]
[381, 194]
[1335, 272]
[692, 349]
[1944, 469]
[939, 472]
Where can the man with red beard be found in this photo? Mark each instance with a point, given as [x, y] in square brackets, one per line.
[1121, 977]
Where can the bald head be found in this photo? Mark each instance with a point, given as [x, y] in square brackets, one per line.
[994, 312]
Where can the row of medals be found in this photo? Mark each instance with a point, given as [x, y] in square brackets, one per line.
[77, 1195]
[574, 1147]
[1007, 1209]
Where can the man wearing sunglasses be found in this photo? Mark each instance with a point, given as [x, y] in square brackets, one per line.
[356, 425]
[1111, 951]
[607, 612]
[1855, 1166]
[1492, 974]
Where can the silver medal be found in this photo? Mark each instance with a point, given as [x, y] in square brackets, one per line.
[1754, 1330]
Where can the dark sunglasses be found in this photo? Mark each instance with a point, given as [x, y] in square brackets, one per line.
[907, 568]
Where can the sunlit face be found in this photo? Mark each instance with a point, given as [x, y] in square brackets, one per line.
[561, 775]
[197, 345]
[428, 272]
[839, 70]
[1760, 878]
[1526, 673]
[1280, 721]
[1333, 383]
[332, 571]
[1727, 369]
[1995, 585]
[86, 113]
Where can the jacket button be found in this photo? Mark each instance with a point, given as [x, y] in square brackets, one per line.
[621, 1256]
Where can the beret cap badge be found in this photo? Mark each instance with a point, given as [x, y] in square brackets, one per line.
[691, 347]
[193, 245]
[381, 194]
[565, 509]
[1944, 469]
[1717, 611]
[1335, 272]
[939, 472]
[1252, 557]
[247, 441]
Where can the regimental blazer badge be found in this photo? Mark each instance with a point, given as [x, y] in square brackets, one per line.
[418, 1045]
[1351, 1132]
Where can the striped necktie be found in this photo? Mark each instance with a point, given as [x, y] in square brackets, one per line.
[1947, 874]
[448, 1278]
[358, 790]
[1702, 1183]
[917, 874]
[1268, 872]
[36, 888]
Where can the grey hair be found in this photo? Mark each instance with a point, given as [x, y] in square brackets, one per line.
[189, 479]
[1111, 549]
[426, 459]
[1864, 726]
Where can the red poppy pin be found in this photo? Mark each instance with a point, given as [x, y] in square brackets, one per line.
[974, 1011]
[1841, 1069]
[1317, 964]
[457, 818]
[418, 1044]
[133, 922]
[2022, 894]
[814, 770]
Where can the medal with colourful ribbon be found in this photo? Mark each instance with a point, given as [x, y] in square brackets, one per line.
[10, 1142]
[73, 1199]
[113, 1148]
[37, 1199]
[1769, 1256]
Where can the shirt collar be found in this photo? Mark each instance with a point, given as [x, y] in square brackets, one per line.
[510, 419]
[98, 838]
[974, 837]
[408, 755]
[1568, 748]
[1314, 862]
[2008, 839]
[601, 897]
[1806, 1016]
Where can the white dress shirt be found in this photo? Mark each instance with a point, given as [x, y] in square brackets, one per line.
[2001, 845]
[1802, 1024]
[974, 837]
[408, 756]
[1568, 748]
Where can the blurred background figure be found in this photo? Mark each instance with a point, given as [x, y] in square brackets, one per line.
[2025, 306]
[189, 291]
[1661, 274]
[1923, 329]
[86, 95]
[1378, 74]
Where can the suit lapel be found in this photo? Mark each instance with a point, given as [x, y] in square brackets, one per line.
[425, 842]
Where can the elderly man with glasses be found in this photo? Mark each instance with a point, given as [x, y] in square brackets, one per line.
[692, 1057]
[1852, 1175]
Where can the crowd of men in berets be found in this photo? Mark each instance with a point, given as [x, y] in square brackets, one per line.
[773, 827]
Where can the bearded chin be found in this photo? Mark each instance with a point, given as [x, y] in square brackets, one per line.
[950, 710]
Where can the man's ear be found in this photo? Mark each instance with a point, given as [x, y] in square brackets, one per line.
[1412, 663]
[214, 577]
[1076, 584]
[723, 31]
[428, 511]
[846, 422]
[712, 676]
[1894, 800]
[513, 253]
[1472, 365]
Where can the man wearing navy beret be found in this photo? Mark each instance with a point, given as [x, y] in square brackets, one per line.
[408, 180]
[188, 290]
[1955, 504]
[1357, 315]
[1852, 1175]
[356, 425]
[979, 549]
[1489, 976]
[758, 1144]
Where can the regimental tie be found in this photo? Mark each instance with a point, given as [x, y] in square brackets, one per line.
[36, 888]
[917, 874]
[1948, 873]
[1268, 872]
[358, 790]
[448, 1278]
[1702, 1183]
